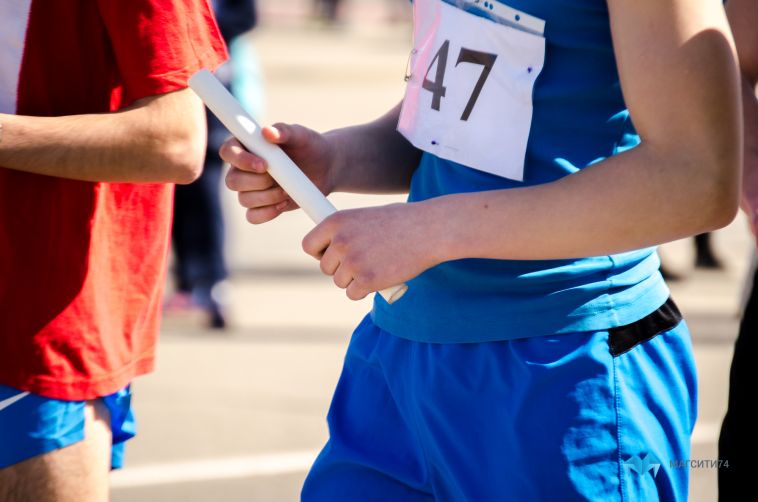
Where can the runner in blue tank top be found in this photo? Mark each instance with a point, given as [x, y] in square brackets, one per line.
[547, 147]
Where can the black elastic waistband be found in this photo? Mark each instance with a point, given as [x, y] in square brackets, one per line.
[624, 338]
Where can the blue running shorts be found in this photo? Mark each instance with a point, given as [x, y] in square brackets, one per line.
[581, 416]
[31, 425]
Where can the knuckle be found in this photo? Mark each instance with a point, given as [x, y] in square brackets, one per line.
[367, 276]
[348, 262]
[354, 259]
[335, 220]
[339, 241]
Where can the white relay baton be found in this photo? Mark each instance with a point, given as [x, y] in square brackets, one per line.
[280, 166]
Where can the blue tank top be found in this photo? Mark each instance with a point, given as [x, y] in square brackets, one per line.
[578, 118]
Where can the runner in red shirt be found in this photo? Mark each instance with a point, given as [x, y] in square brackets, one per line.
[95, 124]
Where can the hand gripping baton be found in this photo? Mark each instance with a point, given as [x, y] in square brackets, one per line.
[280, 166]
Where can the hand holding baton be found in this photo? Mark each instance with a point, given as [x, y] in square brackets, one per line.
[284, 171]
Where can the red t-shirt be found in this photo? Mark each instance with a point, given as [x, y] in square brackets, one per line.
[82, 264]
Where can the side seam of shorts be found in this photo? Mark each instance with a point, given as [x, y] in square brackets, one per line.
[655, 385]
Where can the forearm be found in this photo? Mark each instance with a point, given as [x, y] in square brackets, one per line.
[159, 140]
[374, 157]
[630, 201]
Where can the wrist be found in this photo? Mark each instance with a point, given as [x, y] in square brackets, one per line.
[444, 235]
[463, 226]
[337, 161]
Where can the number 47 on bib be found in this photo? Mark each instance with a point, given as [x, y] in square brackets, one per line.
[469, 94]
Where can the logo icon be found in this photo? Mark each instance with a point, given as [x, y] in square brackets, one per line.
[644, 464]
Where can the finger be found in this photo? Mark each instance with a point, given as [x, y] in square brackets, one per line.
[343, 277]
[276, 133]
[281, 133]
[235, 154]
[356, 291]
[244, 181]
[317, 240]
[261, 198]
[330, 261]
[259, 215]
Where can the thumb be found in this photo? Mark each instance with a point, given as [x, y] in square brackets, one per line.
[278, 134]
[291, 135]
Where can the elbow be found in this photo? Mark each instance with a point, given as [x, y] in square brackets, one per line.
[721, 200]
[722, 213]
[708, 183]
[183, 157]
[184, 168]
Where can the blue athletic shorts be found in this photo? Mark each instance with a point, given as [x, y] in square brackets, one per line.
[31, 425]
[580, 416]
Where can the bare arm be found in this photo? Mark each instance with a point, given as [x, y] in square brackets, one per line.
[742, 15]
[158, 139]
[373, 158]
[679, 76]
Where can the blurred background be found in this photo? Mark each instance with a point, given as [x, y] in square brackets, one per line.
[239, 413]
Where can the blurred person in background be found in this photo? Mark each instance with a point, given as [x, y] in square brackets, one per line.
[327, 10]
[198, 228]
[96, 124]
[736, 481]
[705, 258]
[537, 354]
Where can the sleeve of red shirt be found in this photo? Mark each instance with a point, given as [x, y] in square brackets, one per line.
[159, 44]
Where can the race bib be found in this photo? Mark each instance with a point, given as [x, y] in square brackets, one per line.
[469, 93]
